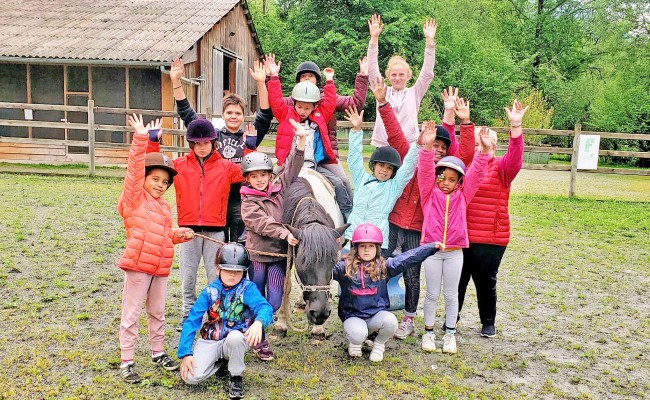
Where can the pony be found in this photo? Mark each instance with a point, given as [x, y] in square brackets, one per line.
[315, 255]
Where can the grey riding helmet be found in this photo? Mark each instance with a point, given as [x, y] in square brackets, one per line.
[256, 161]
[452, 162]
[233, 257]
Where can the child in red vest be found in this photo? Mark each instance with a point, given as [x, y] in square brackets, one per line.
[149, 250]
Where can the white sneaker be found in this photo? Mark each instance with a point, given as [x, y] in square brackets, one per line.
[377, 353]
[429, 341]
[354, 350]
[449, 343]
[405, 329]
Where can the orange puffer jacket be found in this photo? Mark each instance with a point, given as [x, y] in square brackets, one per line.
[150, 237]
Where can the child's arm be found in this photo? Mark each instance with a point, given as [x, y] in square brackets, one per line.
[511, 162]
[396, 138]
[256, 220]
[339, 271]
[477, 170]
[327, 104]
[426, 73]
[355, 146]
[135, 170]
[262, 311]
[448, 118]
[182, 235]
[411, 258]
[183, 107]
[467, 148]
[405, 172]
[426, 163]
[360, 89]
[296, 158]
[192, 324]
[274, 87]
[264, 115]
[375, 27]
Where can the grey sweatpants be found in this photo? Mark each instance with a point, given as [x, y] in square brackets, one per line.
[208, 352]
[384, 323]
[438, 268]
[189, 259]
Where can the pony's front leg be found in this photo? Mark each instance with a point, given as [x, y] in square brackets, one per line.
[317, 333]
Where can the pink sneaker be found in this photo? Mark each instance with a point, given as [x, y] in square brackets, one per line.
[263, 351]
[405, 329]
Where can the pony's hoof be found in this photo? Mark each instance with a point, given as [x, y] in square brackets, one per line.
[317, 337]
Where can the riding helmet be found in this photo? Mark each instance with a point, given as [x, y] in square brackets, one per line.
[256, 161]
[388, 155]
[200, 130]
[308, 66]
[452, 162]
[233, 257]
[367, 233]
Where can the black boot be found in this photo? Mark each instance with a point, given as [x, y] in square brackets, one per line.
[236, 390]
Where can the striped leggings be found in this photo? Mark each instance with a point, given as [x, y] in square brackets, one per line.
[269, 279]
[409, 240]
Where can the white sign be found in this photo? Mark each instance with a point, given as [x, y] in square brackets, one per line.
[588, 151]
[29, 115]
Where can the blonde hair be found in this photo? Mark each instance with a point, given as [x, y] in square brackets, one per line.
[492, 134]
[397, 60]
[375, 268]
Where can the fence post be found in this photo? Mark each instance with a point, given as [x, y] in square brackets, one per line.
[91, 137]
[574, 160]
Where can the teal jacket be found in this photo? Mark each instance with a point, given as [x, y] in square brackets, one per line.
[374, 200]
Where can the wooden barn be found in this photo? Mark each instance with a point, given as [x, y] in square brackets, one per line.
[116, 53]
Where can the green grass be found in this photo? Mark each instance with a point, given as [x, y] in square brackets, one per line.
[573, 314]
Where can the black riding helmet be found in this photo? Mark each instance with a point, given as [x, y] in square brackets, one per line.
[233, 257]
[388, 155]
[442, 134]
[308, 66]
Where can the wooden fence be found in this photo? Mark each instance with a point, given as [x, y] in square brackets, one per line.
[31, 150]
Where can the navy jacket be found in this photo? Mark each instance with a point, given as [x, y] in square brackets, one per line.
[361, 297]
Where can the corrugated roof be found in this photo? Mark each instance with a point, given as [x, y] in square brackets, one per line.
[127, 30]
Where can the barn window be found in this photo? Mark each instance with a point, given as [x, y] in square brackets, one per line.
[47, 88]
[227, 76]
[13, 89]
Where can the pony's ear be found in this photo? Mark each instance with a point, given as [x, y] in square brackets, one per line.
[294, 231]
[341, 230]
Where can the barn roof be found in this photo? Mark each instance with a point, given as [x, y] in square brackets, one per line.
[131, 31]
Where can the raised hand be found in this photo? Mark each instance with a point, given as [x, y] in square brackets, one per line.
[355, 118]
[258, 72]
[428, 134]
[137, 123]
[271, 65]
[363, 66]
[379, 89]
[328, 73]
[449, 96]
[429, 29]
[249, 130]
[298, 129]
[486, 143]
[375, 26]
[516, 115]
[462, 110]
[176, 71]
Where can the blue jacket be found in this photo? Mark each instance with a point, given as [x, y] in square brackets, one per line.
[374, 200]
[362, 297]
[233, 309]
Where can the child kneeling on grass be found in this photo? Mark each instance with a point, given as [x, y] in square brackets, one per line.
[236, 314]
[149, 250]
[364, 302]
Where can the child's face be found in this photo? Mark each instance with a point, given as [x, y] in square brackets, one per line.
[233, 115]
[259, 180]
[202, 149]
[440, 149]
[382, 171]
[399, 76]
[367, 251]
[304, 109]
[308, 76]
[156, 182]
[448, 181]
[230, 278]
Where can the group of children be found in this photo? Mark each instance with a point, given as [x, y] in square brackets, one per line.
[417, 194]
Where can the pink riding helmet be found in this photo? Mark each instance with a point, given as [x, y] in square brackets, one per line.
[367, 233]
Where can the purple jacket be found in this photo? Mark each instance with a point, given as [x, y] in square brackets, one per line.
[342, 103]
[445, 215]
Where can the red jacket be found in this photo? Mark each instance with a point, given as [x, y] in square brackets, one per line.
[407, 213]
[282, 112]
[202, 191]
[150, 237]
[488, 221]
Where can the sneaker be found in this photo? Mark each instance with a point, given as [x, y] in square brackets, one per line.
[165, 362]
[128, 373]
[405, 329]
[354, 350]
[429, 341]
[377, 353]
[449, 343]
[263, 351]
[489, 331]
[236, 387]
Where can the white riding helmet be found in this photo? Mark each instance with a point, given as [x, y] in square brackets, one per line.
[306, 91]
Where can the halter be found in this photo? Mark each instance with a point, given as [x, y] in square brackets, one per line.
[303, 287]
